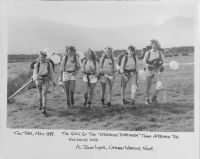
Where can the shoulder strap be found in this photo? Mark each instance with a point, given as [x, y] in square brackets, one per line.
[85, 61]
[38, 66]
[48, 67]
[113, 64]
[66, 58]
[149, 53]
[103, 61]
[94, 64]
[120, 59]
[135, 61]
[75, 60]
[126, 60]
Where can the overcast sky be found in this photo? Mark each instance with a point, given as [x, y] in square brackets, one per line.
[100, 15]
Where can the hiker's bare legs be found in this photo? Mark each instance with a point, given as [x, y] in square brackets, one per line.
[72, 88]
[103, 90]
[133, 87]
[123, 87]
[148, 86]
[91, 90]
[44, 94]
[86, 91]
[158, 88]
[109, 90]
[40, 96]
[67, 89]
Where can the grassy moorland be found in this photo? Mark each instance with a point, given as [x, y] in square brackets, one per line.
[175, 111]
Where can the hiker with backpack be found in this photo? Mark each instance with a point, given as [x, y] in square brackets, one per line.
[44, 77]
[153, 60]
[107, 70]
[69, 68]
[129, 72]
[90, 71]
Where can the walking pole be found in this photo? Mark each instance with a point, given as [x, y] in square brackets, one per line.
[20, 89]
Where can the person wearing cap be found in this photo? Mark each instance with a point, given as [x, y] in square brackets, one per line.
[44, 77]
[69, 68]
[107, 69]
[153, 61]
[129, 72]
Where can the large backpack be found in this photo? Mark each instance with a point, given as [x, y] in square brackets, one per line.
[75, 61]
[34, 62]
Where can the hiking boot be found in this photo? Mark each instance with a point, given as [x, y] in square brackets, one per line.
[85, 102]
[133, 103]
[40, 108]
[109, 105]
[102, 101]
[89, 105]
[72, 99]
[43, 110]
[147, 102]
[154, 100]
[124, 101]
[68, 104]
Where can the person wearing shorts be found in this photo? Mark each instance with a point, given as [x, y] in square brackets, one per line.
[107, 70]
[44, 77]
[153, 61]
[90, 71]
[69, 68]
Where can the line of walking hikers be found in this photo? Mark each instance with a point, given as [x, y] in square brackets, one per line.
[103, 71]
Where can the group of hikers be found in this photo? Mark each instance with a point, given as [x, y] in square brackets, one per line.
[102, 70]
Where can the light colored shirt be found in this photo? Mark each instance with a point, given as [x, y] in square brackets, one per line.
[70, 63]
[43, 70]
[89, 66]
[153, 55]
[130, 65]
[108, 66]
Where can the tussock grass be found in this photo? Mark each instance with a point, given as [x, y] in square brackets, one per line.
[14, 84]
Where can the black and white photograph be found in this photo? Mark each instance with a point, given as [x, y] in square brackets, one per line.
[87, 66]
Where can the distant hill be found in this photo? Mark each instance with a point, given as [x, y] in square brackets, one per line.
[179, 50]
[29, 35]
